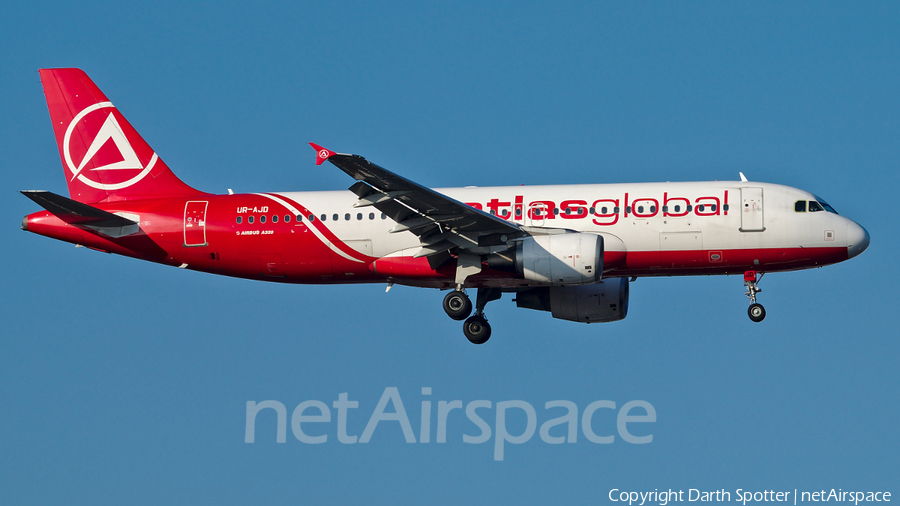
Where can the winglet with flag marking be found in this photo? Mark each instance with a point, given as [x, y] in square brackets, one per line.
[322, 154]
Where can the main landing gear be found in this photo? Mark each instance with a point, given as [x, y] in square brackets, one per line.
[756, 311]
[458, 306]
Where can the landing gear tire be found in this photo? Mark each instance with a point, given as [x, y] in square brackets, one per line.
[756, 312]
[477, 330]
[457, 305]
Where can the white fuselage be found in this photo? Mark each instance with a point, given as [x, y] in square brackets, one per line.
[717, 221]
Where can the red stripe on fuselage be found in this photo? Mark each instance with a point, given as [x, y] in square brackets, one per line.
[325, 231]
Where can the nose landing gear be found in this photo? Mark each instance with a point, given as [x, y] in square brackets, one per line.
[458, 306]
[756, 311]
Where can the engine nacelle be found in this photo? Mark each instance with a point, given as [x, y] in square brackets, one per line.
[561, 259]
[606, 301]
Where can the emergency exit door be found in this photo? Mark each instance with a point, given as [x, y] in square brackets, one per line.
[195, 223]
[752, 210]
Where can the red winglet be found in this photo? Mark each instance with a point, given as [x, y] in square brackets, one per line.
[322, 154]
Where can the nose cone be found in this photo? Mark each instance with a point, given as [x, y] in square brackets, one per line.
[857, 239]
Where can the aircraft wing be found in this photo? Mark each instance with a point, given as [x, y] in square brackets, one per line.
[440, 222]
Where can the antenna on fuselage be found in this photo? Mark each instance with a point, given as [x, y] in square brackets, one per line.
[743, 177]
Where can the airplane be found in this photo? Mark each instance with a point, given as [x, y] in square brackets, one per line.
[570, 250]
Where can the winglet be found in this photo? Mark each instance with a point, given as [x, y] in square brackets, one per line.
[322, 154]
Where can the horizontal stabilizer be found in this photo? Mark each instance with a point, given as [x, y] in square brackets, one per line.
[82, 215]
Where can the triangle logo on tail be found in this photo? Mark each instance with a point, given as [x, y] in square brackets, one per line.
[111, 131]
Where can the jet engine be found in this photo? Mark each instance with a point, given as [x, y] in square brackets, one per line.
[606, 301]
[561, 259]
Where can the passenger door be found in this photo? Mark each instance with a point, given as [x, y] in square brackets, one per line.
[752, 210]
[195, 223]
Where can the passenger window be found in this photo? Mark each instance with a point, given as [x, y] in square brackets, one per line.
[677, 209]
[616, 210]
[262, 219]
[603, 210]
[334, 217]
[383, 216]
[287, 218]
[299, 218]
[274, 218]
[239, 220]
[347, 217]
[640, 209]
[311, 217]
[724, 207]
[689, 208]
[518, 211]
[568, 210]
[627, 209]
[800, 206]
[652, 209]
[358, 216]
[323, 217]
[556, 211]
[371, 216]
[712, 207]
[493, 212]
[249, 219]
[815, 206]
[700, 208]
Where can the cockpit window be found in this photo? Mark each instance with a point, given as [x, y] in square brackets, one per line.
[827, 207]
[824, 206]
[800, 206]
[814, 206]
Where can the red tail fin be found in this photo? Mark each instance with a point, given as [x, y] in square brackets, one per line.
[103, 157]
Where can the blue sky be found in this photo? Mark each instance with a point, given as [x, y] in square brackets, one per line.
[127, 382]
